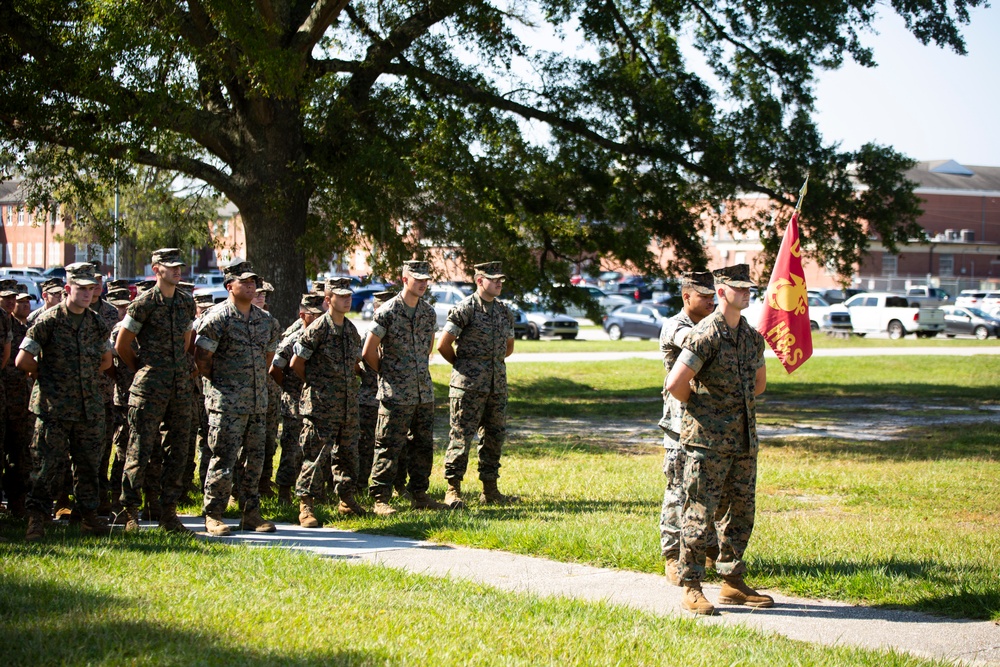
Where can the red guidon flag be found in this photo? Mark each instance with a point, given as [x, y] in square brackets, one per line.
[784, 323]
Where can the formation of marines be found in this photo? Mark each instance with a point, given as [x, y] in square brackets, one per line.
[140, 385]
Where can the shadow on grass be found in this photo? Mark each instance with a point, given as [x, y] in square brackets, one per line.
[964, 604]
[50, 623]
[880, 392]
[979, 441]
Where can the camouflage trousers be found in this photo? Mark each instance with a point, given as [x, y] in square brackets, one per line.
[53, 442]
[328, 445]
[290, 462]
[155, 422]
[235, 441]
[394, 423]
[482, 413]
[16, 435]
[106, 450]
[367, 419]
[201, 442]
[119, 441]
[273, 417]
[198, 412]
[672, 510]
[711, 477]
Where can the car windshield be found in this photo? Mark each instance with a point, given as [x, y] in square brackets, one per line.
[979, 313]
[662, 310]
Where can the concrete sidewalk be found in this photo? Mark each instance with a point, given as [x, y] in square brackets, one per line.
[822, 621]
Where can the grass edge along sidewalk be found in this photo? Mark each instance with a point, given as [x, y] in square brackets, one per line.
[157, 598]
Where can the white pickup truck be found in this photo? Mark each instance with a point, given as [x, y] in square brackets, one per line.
[884, 312]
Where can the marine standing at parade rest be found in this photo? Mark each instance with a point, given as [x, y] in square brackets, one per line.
[199, 436]
[477, 338]
[65, 350]
[234, 348]
[119, 298]
[290, 462]
[107, 387]
[160, 397]
[326, 359]
[368, 410]
[698, 295]
[723, 357]
[273, 407]
[398, 348]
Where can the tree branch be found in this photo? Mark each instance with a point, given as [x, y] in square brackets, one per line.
[322, 15]
[630, 35]
[721, 32]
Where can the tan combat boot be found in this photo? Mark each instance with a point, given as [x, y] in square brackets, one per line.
[735, 591]
[671, 570]
[307, 518]
[349, 506]
[253, 521]
[492, 496]
[382, 506]
[131, 519]
[63, 507]
[36, 526]
[422, 501]
[170, 522]
[694, 600]
[453, 497]
[91, 524]
[285, 495]
[216, 526]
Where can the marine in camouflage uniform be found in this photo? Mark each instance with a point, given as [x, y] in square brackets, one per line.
[52, 295]
[477, 338]
[273, 408]
[65, 349]
[719, 437]
[198, 438]
[368, 415]
[326, 358]
[159, 414]
[15, 431]
[235, 344]
[123, 376]
[107, 387]
[698, 291]
[290, 463]
[398, 347]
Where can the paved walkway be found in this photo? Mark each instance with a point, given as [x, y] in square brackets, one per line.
[822, 621]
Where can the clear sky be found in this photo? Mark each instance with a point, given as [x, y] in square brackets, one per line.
[926, 102]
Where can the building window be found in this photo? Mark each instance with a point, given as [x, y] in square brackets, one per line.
[890, 264]
[9, 257]
[81, 254]
[20, 254]
[946, 265]
[20, 217]
[55, 254]
[29, 255]
[38, 254]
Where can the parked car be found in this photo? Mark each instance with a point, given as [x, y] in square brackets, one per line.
[884, 312]
[219, 294]
[835, 296]
[364, 294]
[54, 272]
[828, 318]
[970, 298]
[638, 321]
[19, 272]
[520, 321]
[969, 321]
[924, 295]
[990, 301]
[214, 279]
[607, 302]
[549, 324]
[443, 297]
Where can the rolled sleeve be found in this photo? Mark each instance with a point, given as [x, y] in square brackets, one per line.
[302, 351]
[279, 362]
[378, 331]
[453, 329]
[206, 343]
[132, 325]
[691, 360]
[31, 346]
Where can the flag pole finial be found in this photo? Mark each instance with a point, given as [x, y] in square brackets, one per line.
[802, 194]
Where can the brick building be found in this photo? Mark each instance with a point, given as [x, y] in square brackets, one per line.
[30, 237]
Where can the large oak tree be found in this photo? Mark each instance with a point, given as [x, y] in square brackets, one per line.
[465, 123]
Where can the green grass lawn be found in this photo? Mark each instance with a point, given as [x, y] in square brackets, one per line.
[154, 599]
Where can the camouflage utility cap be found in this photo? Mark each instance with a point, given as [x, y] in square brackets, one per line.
[52, 281]
[169, 257]
[80, 273]
[381, 297]
[265, 287]
[8, 287]
[737, 276]
[117, 284]
[144, 285]
[22, 292]
[52, 287]
[702, 282]
[119, 297]
[311, 303]
[339, 286]
[490, 270]
[319, 287]
[204, 299]
[417, 269]
[238, 269]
